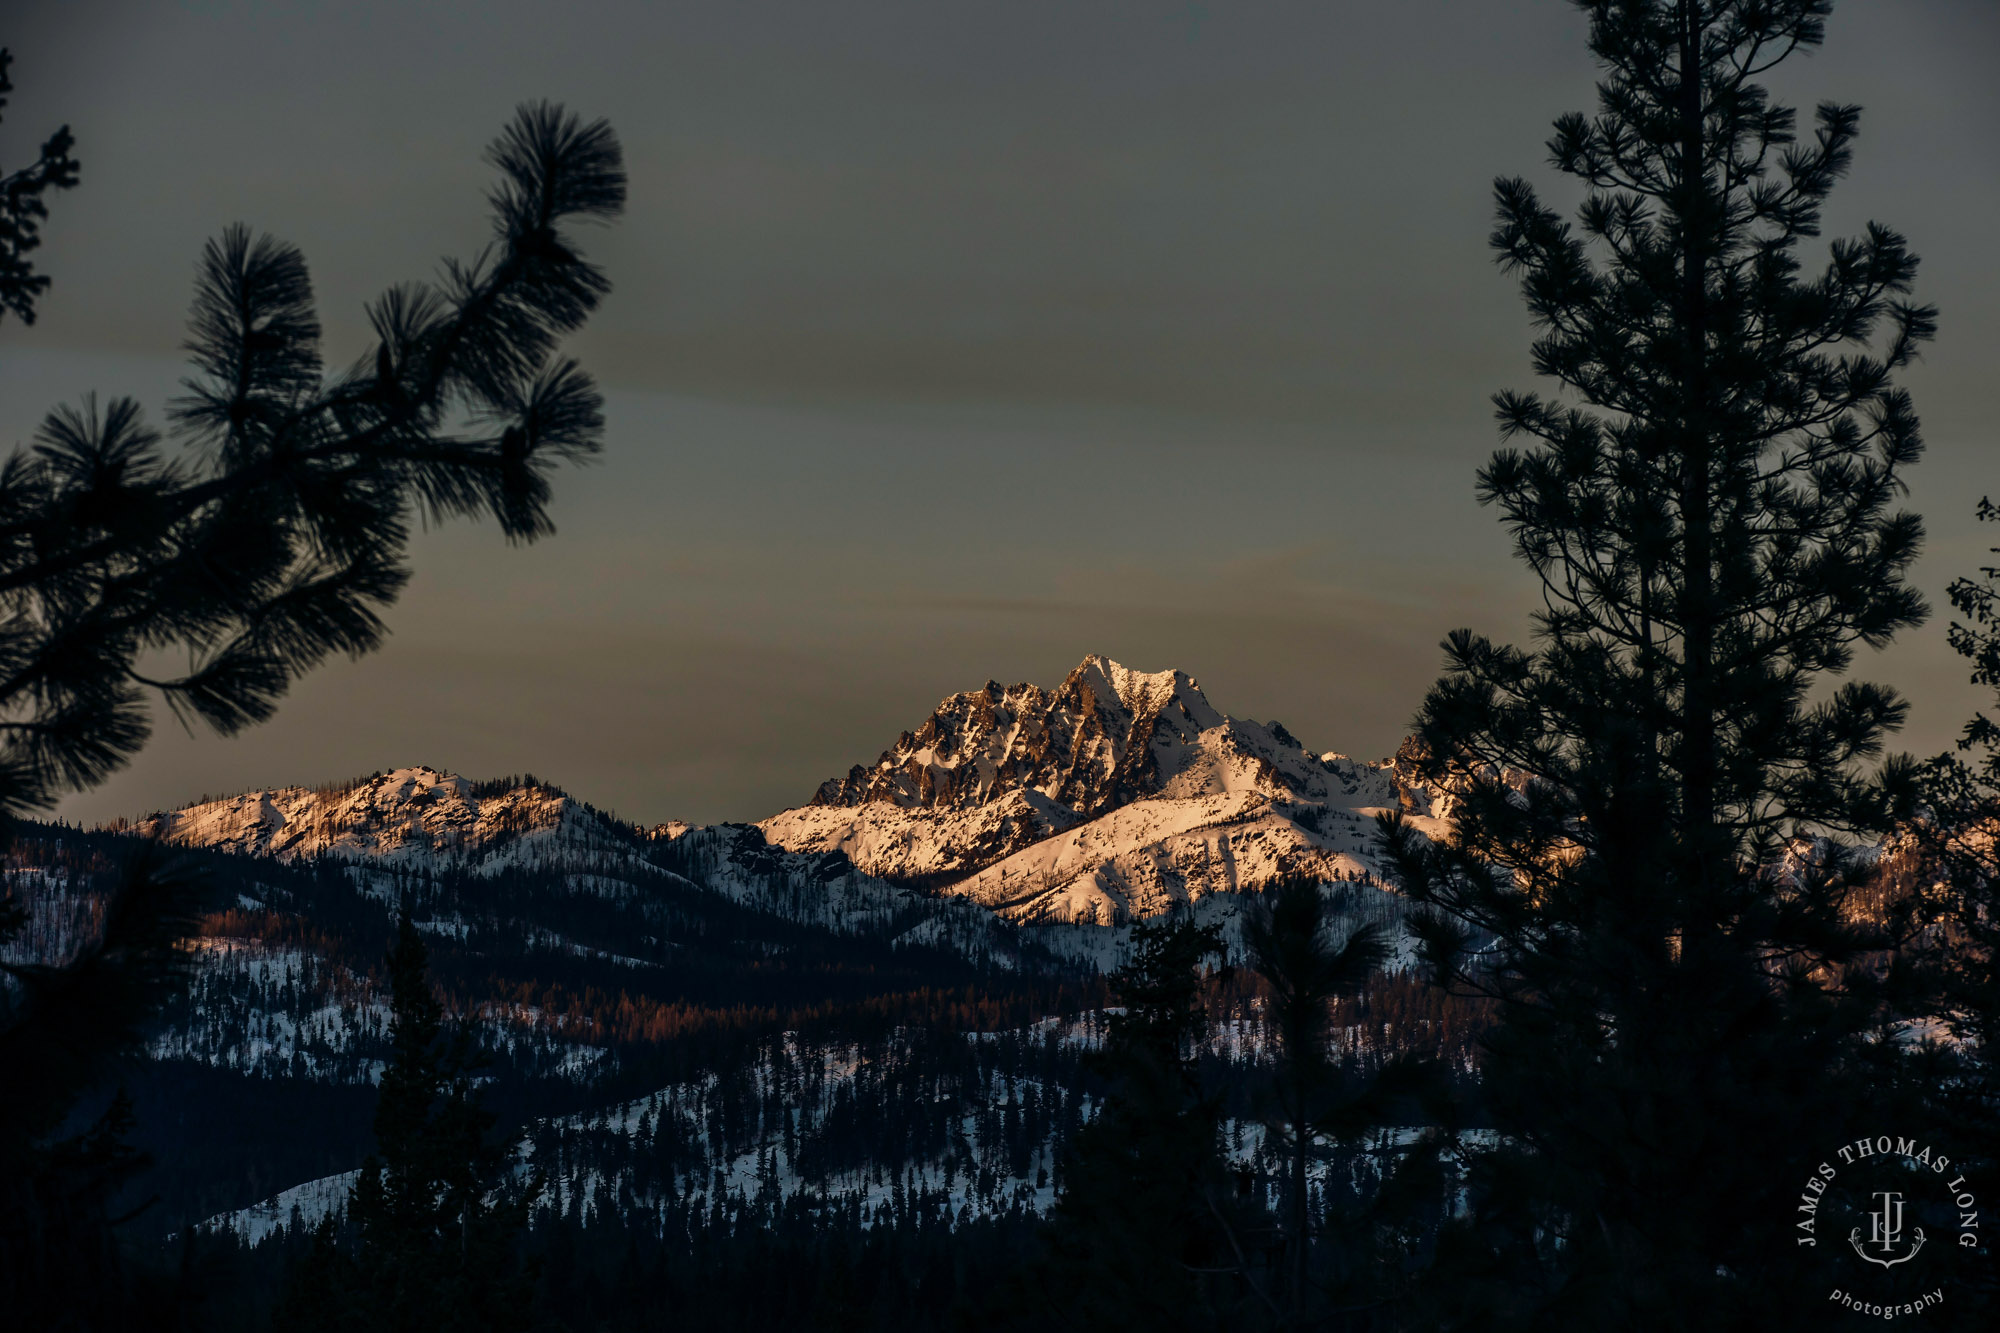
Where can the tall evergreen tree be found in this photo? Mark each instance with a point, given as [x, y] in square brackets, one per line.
[1142, 1234]
[1343, 1261]
[435, 1224]
[1287, 934]
[1709, 505]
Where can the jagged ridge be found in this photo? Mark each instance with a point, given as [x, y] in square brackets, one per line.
[1115, 795]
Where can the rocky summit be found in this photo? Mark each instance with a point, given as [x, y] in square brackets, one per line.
[1112, 796]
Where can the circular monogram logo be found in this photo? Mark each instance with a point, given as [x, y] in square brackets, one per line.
[1884, 1217]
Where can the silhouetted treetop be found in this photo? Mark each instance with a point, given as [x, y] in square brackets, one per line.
[1710, 499]
[22, 210]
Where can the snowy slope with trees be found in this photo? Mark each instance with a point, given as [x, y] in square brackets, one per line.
[1006, 850]
[942, 1127]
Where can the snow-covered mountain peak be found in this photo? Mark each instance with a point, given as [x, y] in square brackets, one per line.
[406, 816]
[1118, 791]
[1115, 794]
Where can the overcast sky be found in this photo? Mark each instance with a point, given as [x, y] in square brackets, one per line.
[949, 341]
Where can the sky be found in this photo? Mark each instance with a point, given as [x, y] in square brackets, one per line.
[949, 341]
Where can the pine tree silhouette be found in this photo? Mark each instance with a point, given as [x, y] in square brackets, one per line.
[272, 549]
[1956, 865]
[1141, 1231]
[1709, 507]
[1965, 803]
[1288, 935]
[435, 1222]
[1285, 932]
[22, 209]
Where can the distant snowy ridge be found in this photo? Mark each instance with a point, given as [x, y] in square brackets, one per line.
[411, 817]
[1115, 796]
[1108, 800]
[424, 819]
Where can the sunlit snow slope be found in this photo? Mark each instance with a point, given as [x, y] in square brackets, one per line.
[1113, 796]
[407, 817]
